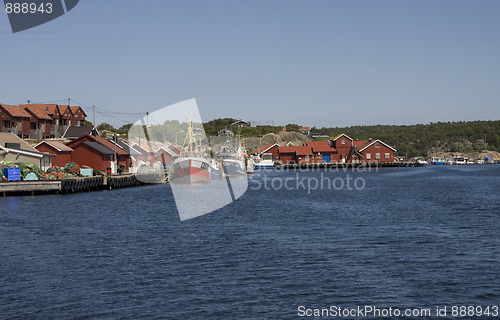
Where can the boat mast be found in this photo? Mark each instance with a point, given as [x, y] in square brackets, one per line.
[190, 137]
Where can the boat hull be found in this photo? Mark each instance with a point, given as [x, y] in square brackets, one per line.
[234, 167]
[191, 171]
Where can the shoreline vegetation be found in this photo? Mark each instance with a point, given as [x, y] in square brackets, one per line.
[472, 139]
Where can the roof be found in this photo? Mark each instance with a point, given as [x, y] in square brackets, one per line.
[12, 138]
[144, 147]
[360, 144]
[16, 111]
[263, 148]
[342, 134]
[385, 144]
[108, 144]
[36, 154]
[317, 143]
[299, 150]
[303, 150]
[123, 145]
[175, 149]
[304, 128]
[39, 113]
[286, 149]
[47, 108]
[76, 132]
[59, 146]
[63, 108]
[99, 147]
[323, 148]
[75, 109]
[166, 150]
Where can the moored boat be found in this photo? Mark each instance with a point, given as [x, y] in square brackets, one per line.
[265, 163]
[437, 161]
[193, 166]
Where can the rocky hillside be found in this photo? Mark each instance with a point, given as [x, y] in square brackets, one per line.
[282, 138]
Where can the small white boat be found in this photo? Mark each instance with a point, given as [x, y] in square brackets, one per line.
[459, 160]
[265, 163]
[437, 161]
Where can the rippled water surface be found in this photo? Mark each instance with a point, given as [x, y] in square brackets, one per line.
[412, 237]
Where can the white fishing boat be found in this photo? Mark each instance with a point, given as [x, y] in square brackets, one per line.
[234, 164]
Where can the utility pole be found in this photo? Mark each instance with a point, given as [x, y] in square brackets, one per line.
[69, 102]
[93, 112]
[116, 162]
[28, 102]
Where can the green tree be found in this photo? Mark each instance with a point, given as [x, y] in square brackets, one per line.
[106, 126]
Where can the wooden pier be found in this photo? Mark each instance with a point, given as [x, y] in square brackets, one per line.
[73, 185]
[347, 165]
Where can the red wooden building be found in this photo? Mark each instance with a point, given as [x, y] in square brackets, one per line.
[78, 115]
[15, 120]
[123, 157]
[63, 153]
[323, 151]
[297, 154]
[270, 150]
[343, 144]
[92, 154]
[376, 151]
[40, 124]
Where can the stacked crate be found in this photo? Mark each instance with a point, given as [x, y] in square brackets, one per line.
[12, 174]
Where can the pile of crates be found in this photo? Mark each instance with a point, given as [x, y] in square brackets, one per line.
[12, 174]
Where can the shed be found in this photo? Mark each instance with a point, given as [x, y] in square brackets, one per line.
[92, 154]
[61, 152]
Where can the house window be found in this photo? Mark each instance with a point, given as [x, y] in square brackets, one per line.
[387, 155]
[377, 145]
[377, 155]
[343, 141]
[368, 156]
[307, 158]
[7, 124]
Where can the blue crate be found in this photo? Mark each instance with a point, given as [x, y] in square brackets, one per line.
[12, 174]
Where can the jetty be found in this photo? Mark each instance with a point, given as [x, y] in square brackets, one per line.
[74, 185]
[348, 165]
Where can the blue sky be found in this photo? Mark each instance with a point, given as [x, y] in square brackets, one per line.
[318, 63]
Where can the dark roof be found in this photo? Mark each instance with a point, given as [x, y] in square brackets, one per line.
[99, 147]
[75, 132]
[128, 149]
